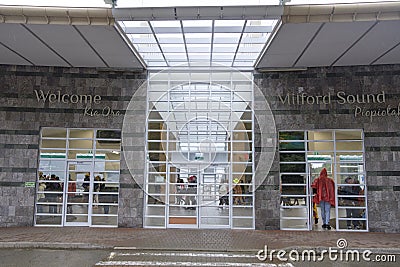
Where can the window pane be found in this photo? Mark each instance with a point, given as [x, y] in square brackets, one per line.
[348, 135]
[76, 133]
[291, 146]
[291, 135]
[349, 146]
[292, 157]
[54, 132]
[81, 144]
[320, 146]
[60, 202]
[46, 143]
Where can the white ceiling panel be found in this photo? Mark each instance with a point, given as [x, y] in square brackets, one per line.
[331, 42]
[9, 57]
[379, 40]
[20, 40]
[288, 45]
[111, 46]
[69, 44]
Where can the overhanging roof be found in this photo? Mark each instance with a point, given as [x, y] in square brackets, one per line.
[66, 37]
[307, 35]
[334, 35]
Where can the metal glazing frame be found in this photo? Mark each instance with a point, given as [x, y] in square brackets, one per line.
[294, 149]
[161, 91]
[59, 152]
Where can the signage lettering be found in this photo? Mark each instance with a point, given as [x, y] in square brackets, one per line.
[382, 112]
[87, 99]
[66, 98]
[342, 98]
[105, 112]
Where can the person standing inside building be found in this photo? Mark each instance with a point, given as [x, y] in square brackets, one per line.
[106, 198]
[351, 202]
[325, 196]
[179, 189]
[86, 187]
[223, 194]
[192, 190]
[97, 181]
[54, 196]
[41, 196]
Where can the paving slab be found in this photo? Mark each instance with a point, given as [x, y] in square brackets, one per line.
[190, 239]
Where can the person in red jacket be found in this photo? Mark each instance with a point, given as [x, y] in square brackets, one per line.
[325, 196]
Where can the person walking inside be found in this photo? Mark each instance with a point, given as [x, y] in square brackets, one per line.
[223, 194]
[325, 196]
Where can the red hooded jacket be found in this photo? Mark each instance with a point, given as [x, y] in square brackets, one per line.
[325, 187]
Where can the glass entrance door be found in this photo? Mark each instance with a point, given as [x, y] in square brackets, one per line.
[198, 128]
[214, 208]
[78, 177]
[314, 212]
[303, 154]
[199, 198]
[183, 208]
[78, 194]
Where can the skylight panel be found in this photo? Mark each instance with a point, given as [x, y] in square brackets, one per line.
[166, 23]
[175, 56]
[229, 23]
[170, 38]
[200, 48]
[152, 56]
[148, 48]
[226, 38]
[255, 38]
[198, 38]
[228, 48]
[197, 23]
[246, 56]
[173, 48]
[250, 48]
[199, 42]
[223, 56]
[199, 60]
[142, 38]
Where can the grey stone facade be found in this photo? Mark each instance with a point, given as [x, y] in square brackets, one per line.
[382, 142]
[22, 116]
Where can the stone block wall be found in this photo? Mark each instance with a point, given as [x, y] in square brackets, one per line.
[382, 132]
[22, 116]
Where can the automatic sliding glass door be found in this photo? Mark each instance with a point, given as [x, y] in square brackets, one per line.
[215, 208]
[198, 128]
[78, 194]
[78, 178]
[197, 200]
[183, 208]
[303, 154]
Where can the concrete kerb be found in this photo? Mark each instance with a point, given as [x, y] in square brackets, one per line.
[52, 245]
[89, 246]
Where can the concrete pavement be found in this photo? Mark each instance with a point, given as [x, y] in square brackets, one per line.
[191, 240]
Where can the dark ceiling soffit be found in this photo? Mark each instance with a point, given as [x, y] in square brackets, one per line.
[18, 54]
[352, 12]
[200, 12]
[90, 45]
